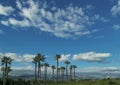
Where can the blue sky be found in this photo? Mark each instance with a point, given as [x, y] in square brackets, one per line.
[86, 32]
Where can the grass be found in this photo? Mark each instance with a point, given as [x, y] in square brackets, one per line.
[78, 82]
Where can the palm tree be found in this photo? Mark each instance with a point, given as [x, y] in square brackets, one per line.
[57, 57]
[74, 67]
[71, 67]
[53, 70]
[62, 72]
[5, 62]
[45, 72]
[35, 62]
[39, 58]
[67, 63]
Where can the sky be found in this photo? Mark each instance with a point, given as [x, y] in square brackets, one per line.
[85, 32]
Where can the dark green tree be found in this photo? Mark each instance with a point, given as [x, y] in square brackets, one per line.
[6, 62]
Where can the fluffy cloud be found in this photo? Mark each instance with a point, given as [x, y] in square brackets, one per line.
[18, 58]
[116, 9]
[99, 69]
[116, 27]
[65, 57]
[72, 21]
[28, 58]
[91, 56]
[5, 10]
[23, 67]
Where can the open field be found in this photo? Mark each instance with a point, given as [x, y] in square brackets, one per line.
[80, 82]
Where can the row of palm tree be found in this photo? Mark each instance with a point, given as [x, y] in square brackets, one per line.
[38, 62]
[59, 70]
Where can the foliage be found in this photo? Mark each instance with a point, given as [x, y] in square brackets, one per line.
[72, 82]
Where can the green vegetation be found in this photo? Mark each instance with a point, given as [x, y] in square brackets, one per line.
[72, 82]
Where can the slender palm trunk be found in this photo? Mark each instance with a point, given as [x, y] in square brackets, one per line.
[53, 74]
[4, 80]
[70, 73]
[35, 71]
[67, 71]
[6, 70]
[62, 75]
[45, 75]
[57, 72]
[74, 74]
[40, 71]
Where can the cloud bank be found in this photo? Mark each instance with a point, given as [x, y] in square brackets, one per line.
[69, 22]
[91, 56]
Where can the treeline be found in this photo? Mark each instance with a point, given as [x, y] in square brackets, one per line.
[66, 72]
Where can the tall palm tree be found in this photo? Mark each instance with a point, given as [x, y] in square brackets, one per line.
[35, 62]
[39, 58]
[74, 67]
[67, 63]
[53, 71]
[6, 62]
[57, 57]
[71, 67]
[45, 72]
[62, 72]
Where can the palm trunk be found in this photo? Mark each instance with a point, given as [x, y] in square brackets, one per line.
[45, 75]
[40, 71]
[35, 73]
[74, 74]
[63, 74]
[53, 74]
[4, 81]
[57, 73]
[67, 71]
[70, 73]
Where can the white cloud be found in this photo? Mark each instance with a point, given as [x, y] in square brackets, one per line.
[116, 9]
[23, 67]
[65, 57]
[98, 17]
[6, 23]
[18, 58]
[116, 27]
[91, 56]
[70, 22]
[28, 57]
[99, 69]
[23, 23]
[5, 10]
